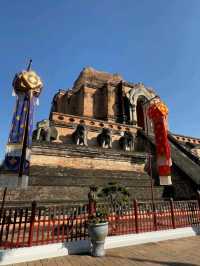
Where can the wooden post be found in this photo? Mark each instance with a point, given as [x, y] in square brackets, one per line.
[198, 205]
[92, 201]
[3, 201]
[198, 198]
[91, 207]
[154, 217]
[135, 204]
[172, 213]
[32, 221]
[24, 143]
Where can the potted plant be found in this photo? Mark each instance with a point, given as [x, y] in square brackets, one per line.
[98, 219]
[114, 194]
[97, 225]
[98, 230]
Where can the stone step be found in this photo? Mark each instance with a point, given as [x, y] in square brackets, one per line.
[82, 177]
[88, 179]
[63, 171]
[70, 193]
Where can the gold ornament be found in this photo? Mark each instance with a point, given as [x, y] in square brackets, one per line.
[27, 81]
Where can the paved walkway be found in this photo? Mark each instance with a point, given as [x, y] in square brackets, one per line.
[181, 252]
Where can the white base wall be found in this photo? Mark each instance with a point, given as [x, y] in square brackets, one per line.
[17, 255]
[149, 237]
[10, 256]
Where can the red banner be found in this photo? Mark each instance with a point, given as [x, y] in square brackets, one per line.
[158, 112]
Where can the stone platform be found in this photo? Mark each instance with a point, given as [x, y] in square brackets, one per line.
[63, 172]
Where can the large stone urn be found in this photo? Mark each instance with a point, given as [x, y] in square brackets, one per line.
[98, 233]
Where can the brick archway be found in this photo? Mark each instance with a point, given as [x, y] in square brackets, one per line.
[138, 96]
[140, 113]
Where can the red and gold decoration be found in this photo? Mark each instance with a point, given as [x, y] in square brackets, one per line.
[158, 112]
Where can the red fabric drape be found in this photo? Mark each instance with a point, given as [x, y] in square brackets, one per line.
[158, 112]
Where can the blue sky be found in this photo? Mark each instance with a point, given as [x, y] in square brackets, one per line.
[155, 42]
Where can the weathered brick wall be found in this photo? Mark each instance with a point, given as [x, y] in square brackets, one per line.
[111, 103]
[85, 158]
[88, 101]
[100, 103]
[68, 193]
[75, 103]
[72, 169]
[84, 163]
[66, 125]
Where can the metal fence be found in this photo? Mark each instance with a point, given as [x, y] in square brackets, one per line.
[37, 225]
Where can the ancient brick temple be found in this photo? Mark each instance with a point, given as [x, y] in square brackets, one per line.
[98, 132]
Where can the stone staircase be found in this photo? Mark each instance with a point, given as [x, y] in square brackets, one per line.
[55, 194]
[55, 183]
[86, 177]
[73, 185]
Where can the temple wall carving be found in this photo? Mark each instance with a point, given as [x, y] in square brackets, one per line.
[66, 126]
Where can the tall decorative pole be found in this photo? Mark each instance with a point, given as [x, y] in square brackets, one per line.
[27, 87]
[158, 112]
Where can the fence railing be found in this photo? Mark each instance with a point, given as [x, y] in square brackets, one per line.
[37, 225]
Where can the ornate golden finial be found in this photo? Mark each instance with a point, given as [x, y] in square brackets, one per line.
[28, 81]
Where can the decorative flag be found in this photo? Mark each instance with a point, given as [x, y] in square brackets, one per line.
[158, 112]
[27, 86]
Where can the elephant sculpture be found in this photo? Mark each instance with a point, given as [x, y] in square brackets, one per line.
[126, 142]
[44, 132]
[80, 135]
[104, 139]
